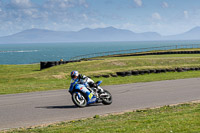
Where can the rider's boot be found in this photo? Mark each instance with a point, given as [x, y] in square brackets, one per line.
[99, 90]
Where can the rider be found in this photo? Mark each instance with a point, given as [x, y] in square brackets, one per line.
[82, 79]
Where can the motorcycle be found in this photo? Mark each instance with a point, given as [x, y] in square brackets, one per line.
[82, 96]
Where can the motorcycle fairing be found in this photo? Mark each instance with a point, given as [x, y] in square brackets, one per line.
[90, 97]
[98, 83]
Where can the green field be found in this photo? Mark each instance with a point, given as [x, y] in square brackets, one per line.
[29, 78]
[183, 118]
[180, 118]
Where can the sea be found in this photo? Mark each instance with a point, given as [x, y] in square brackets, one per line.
[35, 53]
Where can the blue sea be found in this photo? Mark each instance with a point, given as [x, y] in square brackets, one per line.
[34, 53]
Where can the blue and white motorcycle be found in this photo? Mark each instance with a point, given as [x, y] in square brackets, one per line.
[81, 96]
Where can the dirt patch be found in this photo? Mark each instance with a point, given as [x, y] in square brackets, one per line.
[117, 63]
[60, 76]
[101, 71]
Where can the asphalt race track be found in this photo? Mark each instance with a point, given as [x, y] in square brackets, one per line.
[29, 109]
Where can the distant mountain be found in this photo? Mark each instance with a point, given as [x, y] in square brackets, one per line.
[36, 36]
[93, 35]
[193, 34]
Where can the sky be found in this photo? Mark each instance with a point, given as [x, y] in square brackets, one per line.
[166, 17]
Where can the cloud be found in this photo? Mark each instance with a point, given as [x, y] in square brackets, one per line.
[83, 3]
[33, 13]
[156, 16]
[58, 4]
[21, 3]
[65, 4]
[186, 15]
[22, 11]
[85, 17]
[127, 25]
[97, 25]
[138, 2]
[165, 5]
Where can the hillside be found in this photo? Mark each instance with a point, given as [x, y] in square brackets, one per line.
[93, 35]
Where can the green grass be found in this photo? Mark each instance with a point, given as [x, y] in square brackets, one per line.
[181, 118]
[29, 78]
[168, 119]
[150, 77]
[26, 78]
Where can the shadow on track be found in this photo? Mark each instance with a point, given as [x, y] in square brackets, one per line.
[58, 107]
[67, 106]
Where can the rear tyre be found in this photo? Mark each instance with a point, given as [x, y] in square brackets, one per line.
[78, 99]
[108, 99]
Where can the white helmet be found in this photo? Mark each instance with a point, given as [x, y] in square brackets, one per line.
[74, 74]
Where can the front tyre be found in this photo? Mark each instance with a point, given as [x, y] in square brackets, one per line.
[79, 99]
[108, 99]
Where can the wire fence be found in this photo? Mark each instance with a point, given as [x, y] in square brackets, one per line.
[132, 51]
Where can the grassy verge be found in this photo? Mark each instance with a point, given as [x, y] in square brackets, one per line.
[168, 119]
[154, 51]
[150, 77]
[29, 78]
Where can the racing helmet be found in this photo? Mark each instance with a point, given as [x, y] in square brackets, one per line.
[74, 74]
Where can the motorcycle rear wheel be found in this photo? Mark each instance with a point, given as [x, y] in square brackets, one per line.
[78, 99]
[107, 101]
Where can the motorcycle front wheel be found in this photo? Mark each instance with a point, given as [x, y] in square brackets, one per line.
[79, 99]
